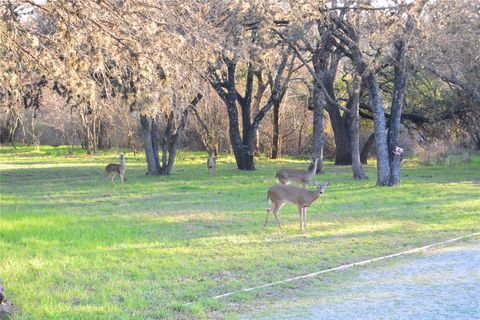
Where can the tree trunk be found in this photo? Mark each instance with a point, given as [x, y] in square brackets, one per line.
[247, 135]
[243, 147]
[229, 97]
[353, 106]
[318, 140]
[376, 104]
[235, 137]
[394, 128]
[170, 140]
[340, 128]
[155, 143]
[343, 152]
[366, 148]
[300, 134]
[175, 138]
[249, 153]
[257, 99]
[166, 144]
[397, 103]
[148, 144]
[276, 131]
[7, 132]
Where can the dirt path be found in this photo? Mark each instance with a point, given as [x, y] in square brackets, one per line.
[441, 283]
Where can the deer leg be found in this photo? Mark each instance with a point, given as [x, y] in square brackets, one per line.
[121, 177]
[275, 213]
[266, 217]
[272, 207]
[113, 177]
[305, 217]
[300, 215]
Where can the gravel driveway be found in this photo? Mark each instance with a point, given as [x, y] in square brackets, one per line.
[441, 283]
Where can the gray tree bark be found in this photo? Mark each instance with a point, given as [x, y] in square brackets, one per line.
[149, 140]
[318, 139]
[366, 148]
[243, 146]
[397, 101]
[169, 141]
[353, 106]
[376, 105]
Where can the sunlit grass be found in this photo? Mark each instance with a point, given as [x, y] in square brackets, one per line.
[74, 246]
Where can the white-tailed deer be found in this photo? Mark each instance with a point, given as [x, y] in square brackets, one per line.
[211, 163]
[112, 169]
[280, 194]
[285, 176]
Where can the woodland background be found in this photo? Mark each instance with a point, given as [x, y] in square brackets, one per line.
[345, 80]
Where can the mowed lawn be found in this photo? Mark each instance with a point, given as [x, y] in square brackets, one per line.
[72, 246]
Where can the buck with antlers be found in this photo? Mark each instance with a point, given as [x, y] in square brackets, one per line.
[280, 194]
[285, 176]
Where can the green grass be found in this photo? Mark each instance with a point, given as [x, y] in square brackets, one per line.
[73, 246]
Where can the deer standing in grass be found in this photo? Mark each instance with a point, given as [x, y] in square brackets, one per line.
[112, 169]
[280, 194]
[285, 176]
[211, 162]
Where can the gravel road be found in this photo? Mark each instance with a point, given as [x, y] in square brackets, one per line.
[441, 283]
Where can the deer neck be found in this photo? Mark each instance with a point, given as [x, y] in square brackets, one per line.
[313, 195]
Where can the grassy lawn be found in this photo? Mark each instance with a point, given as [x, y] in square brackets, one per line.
[73, 246]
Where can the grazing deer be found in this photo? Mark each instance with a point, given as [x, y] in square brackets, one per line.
[112, 169]
[280, 194]
[211, 163]
[285, 176]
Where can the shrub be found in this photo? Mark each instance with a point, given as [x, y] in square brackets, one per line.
[442, 153]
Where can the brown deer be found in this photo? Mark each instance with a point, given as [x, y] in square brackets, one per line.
[112, 169]
[211, 162]
[280, 194]
[285, 176]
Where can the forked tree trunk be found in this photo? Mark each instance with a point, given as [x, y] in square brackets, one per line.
[376, 105]
[169, 141]
[229, 97]
[397, 102]
[243, 146]
[388, 163]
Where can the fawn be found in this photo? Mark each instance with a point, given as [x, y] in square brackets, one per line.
[211, 162]
[280, 194]
[112, 169]
[285, 176]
